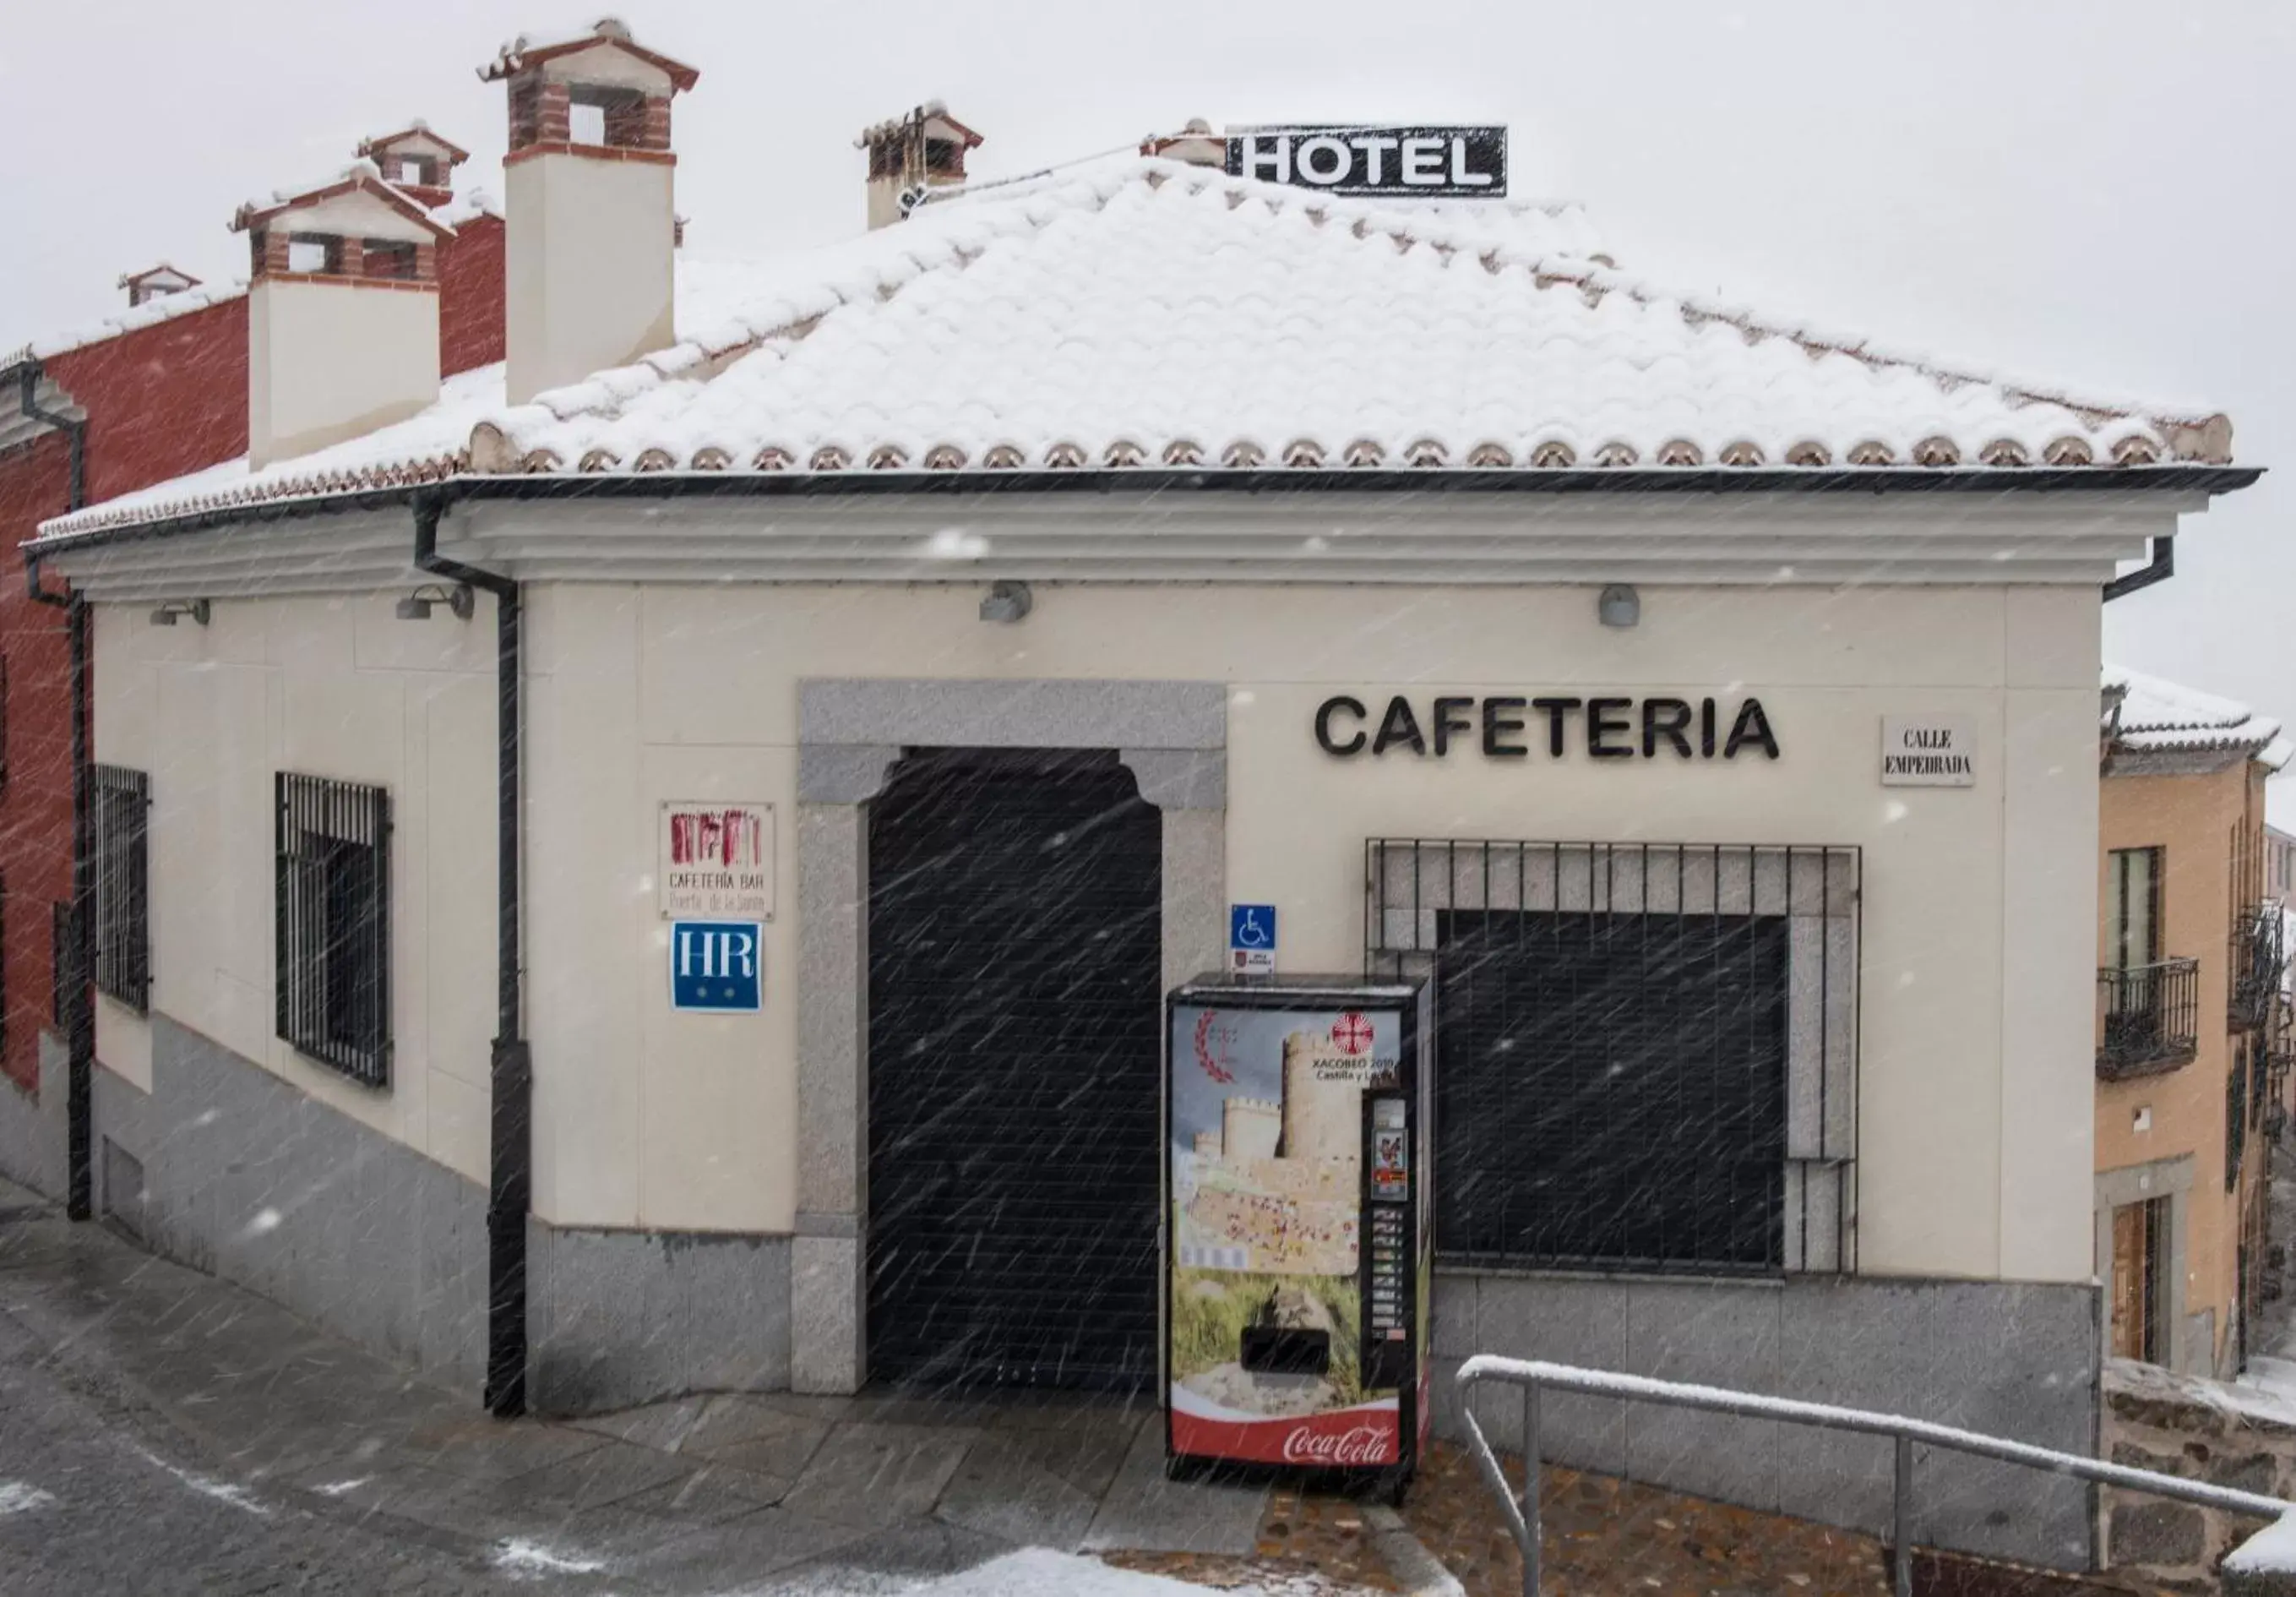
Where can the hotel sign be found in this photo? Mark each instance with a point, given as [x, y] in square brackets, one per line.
[1929, 751]
[717, 862]
[1463, 162]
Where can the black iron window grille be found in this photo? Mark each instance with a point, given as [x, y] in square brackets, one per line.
[2259, 958]
[123, 884]
[1647, 1054]
[333, 924]
[2148, 1018]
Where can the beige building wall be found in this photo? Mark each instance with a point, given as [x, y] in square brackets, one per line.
[1968, 1167]
[328, 361]
[1977, 1073]
[2191, 820]
[333, 688]
[590, 254]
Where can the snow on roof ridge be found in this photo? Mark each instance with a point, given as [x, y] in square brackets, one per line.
[129, 319]
[2152, 714]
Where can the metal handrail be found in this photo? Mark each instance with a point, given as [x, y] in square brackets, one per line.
[1532, 1375]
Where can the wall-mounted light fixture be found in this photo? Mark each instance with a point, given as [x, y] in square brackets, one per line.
[1006, 601]
[165, 615]
[459, 599]
[1619, 605]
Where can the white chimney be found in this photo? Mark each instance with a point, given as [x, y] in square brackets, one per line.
[342, 313]
[591, 247]
[911, 156]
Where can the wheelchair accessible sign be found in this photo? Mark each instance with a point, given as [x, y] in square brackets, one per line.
[1252, 939]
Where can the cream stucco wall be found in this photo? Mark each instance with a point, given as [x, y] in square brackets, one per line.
[327, 361]
[1975, 1134]
[1978, 920]
[334, 687]
[589, 260]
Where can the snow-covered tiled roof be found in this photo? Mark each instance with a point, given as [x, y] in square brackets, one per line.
[2147, 714]
[1142, 313]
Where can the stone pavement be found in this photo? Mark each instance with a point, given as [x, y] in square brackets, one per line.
[758, 1494]
[677, 1497]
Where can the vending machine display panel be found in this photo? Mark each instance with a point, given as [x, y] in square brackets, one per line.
[1295, 1226]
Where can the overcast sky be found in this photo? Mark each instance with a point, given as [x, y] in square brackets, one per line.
[2094, 190]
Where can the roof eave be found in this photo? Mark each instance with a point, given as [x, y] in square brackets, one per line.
[2209, 480]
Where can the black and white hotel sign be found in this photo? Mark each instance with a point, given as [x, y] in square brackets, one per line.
[1469, 162]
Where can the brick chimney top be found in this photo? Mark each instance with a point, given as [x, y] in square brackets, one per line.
[154, 281]
[357, 228]
[416, 160]
[909, 154]
[1196, 144]
[598, 92]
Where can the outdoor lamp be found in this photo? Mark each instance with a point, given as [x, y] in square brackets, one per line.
[460, 599]
[1619, 605]
[165, 615]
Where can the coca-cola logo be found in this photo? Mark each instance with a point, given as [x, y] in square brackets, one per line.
[1363, 1445]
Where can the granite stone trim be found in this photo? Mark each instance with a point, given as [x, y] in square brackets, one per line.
[2011, 1359]
[32, 1135]
[245, 1176]
[619, 1318]
[979, 712]
[1171, 736]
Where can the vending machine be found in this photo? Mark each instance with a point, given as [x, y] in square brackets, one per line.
[1298, 1226]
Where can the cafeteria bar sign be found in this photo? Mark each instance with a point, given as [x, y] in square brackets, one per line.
[1468, 162]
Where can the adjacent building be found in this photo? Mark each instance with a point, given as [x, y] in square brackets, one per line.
[2190, 967]
[162, 389]
[1711, 705]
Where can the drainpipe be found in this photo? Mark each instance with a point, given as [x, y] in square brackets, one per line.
[2159, 569]
[510, 1176]
[79, 953]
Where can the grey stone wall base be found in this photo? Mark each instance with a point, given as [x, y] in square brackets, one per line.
[619, 1318]
[826, 1354]
[2007, 1359]
[32, 1127]
[248, 1178]
[2259, 1583]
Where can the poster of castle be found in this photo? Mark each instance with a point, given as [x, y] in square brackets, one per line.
[1266, 1181]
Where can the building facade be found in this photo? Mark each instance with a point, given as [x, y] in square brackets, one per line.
[1032, 578]
[2191, 965]
[86, 415]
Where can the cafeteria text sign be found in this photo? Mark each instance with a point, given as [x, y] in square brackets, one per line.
[717, 862]
[1468, 162]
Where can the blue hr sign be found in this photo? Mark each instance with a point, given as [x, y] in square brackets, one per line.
[716, 965]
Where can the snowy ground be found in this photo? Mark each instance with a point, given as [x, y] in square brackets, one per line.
[1035, 1572]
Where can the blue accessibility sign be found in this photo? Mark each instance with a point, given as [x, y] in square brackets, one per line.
[1252, 939]
[717, 965]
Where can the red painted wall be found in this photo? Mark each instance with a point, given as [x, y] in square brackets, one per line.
[471, 296]
[161, 400]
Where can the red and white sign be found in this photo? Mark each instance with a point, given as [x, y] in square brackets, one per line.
[1352, 1032]
[717, 862]
[1360, 1438]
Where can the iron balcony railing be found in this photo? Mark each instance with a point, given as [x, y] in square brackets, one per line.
[1534, 1377]
[2151, 1018]
[2259, 956]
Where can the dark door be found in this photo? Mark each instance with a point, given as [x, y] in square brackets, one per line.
[1015, 934]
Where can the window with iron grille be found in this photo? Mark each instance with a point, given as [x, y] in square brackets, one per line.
[123, 884]
[2235, 1116]
[332, 937]
[1646, 1054]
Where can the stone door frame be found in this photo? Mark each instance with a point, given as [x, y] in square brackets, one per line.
[851, 732]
